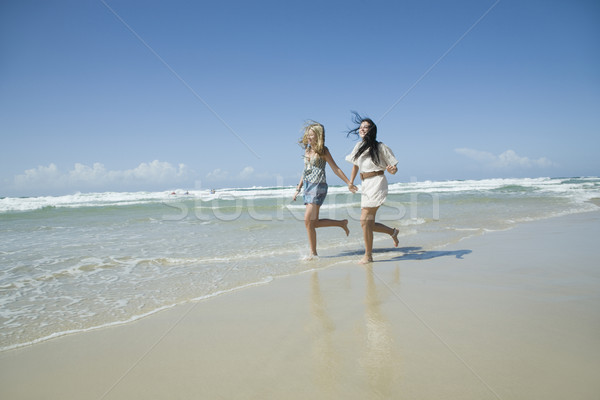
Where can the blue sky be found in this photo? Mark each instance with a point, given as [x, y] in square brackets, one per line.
[159, 95]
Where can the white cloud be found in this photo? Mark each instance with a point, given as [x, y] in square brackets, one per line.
[49, 172]
[155, 171]
[246, 172]
[97, 177]
[82, 173]
[222, 175]
[507, 160]
[217, 175]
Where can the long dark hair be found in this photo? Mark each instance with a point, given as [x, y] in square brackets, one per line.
[369, 142]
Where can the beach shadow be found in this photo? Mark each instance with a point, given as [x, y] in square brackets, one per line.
[416, 253]
[410, 253]
[375, 251]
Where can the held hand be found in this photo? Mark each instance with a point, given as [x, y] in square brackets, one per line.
[352, 188]
[392, 169]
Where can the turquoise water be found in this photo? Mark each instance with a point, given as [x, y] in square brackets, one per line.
[79, 262]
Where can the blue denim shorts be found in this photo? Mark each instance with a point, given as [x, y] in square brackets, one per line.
[314, 193]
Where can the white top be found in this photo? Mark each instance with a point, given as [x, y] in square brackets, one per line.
[366, 164]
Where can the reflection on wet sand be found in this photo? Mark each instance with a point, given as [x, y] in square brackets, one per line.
[327, 366]
[374, 364]
[379, 360]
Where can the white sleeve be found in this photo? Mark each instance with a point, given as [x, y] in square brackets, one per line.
[386, 155]
[350, 157]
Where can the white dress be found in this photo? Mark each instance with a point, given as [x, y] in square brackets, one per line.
[373, 190]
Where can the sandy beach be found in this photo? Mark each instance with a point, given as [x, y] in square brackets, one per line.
[508, 315]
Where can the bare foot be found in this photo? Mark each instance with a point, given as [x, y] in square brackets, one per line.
[345, 226]
[366, 260]
[395, 237]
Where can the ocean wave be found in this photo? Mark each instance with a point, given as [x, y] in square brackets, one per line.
[106, 199]
[557, 185]
[583, 188]
[133, 318]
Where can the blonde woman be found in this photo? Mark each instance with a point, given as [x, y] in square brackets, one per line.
[372, 159]
[316, 155]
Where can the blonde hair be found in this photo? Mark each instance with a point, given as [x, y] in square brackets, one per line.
[319, 131]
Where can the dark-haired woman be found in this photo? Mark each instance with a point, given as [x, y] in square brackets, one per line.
[372, 159]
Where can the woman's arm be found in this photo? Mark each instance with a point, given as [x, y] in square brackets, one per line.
[353, 173]
[299, 185]
[390, 159]
[338, 171]
[392, 169]
[298, 188]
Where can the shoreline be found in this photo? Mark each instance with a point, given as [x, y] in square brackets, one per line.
[508, 314]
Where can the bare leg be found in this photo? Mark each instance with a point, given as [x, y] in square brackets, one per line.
[393, 232]
[311, 216]
[312, 221]
[342, 223]
[368, 224]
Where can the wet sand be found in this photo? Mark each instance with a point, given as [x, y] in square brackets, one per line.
[506, 315]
